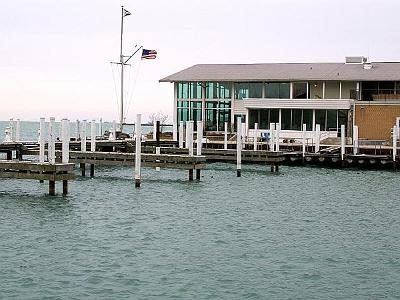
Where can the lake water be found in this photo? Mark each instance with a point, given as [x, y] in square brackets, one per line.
[305, 233]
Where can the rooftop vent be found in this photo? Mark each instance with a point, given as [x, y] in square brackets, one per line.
[367, 66]
[355, 59]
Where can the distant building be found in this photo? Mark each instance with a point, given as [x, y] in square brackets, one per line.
[356, 92]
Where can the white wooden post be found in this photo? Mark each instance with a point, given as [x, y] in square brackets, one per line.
[355, 139]
[181, 135]
[7, 132]
[174, 129]
[226, 135]
[255, 136]
[272, 137]
[114, 130]
[239, 147]
[138, 154]
[342, 141]
[78, 130]
[101, 128]
[189, 130]
[93, 136]
[199, 137]
[18, 131]
[83, 136]
[277, 136]
[65, 140]
[317, 137]
[398, 126]
[41, 140]
[51, 151]
[11, 125]
[395, 132]
[158, 152]
[244, 135]
[304, 139]
[187, 135]
[155, 129]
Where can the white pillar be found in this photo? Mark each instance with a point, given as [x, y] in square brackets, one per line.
[65, 140]
[11, 125]
[244, 135]
[317, 137]
[181, 135]
[199, 137]
[114, 130]
[355, 139]
[226, 135]
[158, 152]
[93, 136]
[239, 147]
[187, 135]
[18, 131]
[155, 129]
[78, 130]
[255, 136]
[51, 151]
[304, 139]
[101, 128]
[83, 136]
[41, 140]
[7, 132]
[189, 131]
[395, 132]
[342, 141]
[138, 154]
[272, 137]
[398, 126]
[277, 136]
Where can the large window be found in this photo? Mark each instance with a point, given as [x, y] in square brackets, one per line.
[189, 90]
[218, 90]
[217, 113]
[300, 90]
[263, 117]
[330, 119]
[189, 111]
[248, 90]
[277, 90]
[378, 90]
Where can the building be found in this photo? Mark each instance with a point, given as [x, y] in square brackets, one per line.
[356, 92]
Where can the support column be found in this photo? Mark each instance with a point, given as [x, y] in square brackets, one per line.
[190, 174]
[355, 139]
[395, 132]
[41, 140]
[91, 170]
[239, 147]
[181, 135]
[225, 135]
[52, 187]
[83, 169]
[138, 154]
[65, 140]
[317, 137]
[342, 142]
[304, 140]
[51, 151]
[189, 134]
[197, 174]
[199, 138]
[65, 187]
[93, 136]
[83, 136]
[255, 136]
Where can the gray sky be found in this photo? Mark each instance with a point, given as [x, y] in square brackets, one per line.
[55, 55]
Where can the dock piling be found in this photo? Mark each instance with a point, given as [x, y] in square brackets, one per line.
[65, 140]
[199, 138]
[239, 147]
[51, 151]
[304, 140]
[52, 187]
[65, 187]
[255, 136]
[342, 142]
[83, 136]
[181, 135]
[394, 152]
[317, 137]
[93, 136]
[189, 133]
[41, 140]
[138, 159]
[355, 139]
[18, 131]
[82, 166]
[226, 136]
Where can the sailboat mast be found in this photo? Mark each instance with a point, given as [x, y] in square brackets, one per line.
[121, 119]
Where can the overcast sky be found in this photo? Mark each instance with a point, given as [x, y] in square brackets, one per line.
[55, 55]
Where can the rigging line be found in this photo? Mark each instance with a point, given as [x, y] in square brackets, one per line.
[115, 86]
[135, 80]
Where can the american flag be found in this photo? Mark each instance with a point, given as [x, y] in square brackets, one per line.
[149, 54]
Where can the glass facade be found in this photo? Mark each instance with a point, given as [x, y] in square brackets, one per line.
[190, 90]
[218, 90]
[217, 113]
[248, 90]
[300, 90]
[263, 117]
[277, 90]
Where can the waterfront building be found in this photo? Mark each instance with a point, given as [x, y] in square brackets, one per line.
[355, 92]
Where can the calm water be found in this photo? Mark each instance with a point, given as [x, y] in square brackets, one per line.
[307, 233]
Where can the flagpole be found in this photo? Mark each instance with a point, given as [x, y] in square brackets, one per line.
[121, 120]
